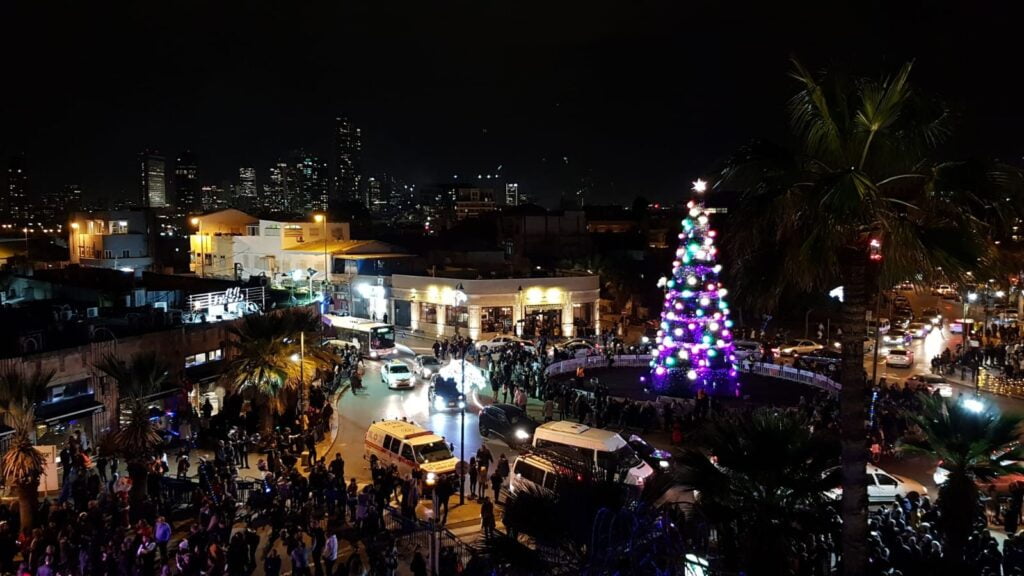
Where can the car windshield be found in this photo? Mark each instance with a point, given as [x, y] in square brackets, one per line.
[433, 452]
[399, 369]
[429, 361]
[934, 379]
[640, 446]
[795, 343]
[897, 352]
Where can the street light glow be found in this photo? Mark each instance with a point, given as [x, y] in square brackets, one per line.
[972, 297]
[974, 405]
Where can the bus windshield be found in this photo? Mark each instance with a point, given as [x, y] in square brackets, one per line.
[433, 452]
[382, 337]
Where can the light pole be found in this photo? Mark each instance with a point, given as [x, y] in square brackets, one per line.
[301, 359]
[432, 484]
[202, 257]
[25, 231]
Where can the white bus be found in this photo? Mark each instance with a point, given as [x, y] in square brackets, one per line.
[372, 339]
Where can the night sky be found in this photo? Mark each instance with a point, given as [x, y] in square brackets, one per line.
[640, 96]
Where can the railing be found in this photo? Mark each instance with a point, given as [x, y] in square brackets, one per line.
[642, 361]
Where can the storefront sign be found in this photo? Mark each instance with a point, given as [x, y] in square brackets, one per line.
[229, 296]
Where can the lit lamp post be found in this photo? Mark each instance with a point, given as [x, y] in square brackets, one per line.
[970, 299]
[25, 231]
[432, 484]
[202, 257]
[460, 296]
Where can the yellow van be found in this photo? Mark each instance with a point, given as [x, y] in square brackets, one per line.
[409, 447]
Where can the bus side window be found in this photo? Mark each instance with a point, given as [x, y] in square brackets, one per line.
[390, 444]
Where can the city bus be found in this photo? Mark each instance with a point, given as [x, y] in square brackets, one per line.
[372, 339]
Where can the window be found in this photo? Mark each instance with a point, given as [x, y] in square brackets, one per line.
[549, 481]
[108, 254]
[428, 313]
[273, 230]
[885, 480]
[126, 253]
[204, 357]
[119, 227]
[457, 316]
[390, 444]
[214, 355]
[407, 452]
[252, 230]
[530, 473]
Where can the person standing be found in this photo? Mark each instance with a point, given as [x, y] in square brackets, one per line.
[418, 564]
[474, 473]
[496, 482]
[272, 563]
[487, 523]
[300, 566]
[330, 554]
[162, 534]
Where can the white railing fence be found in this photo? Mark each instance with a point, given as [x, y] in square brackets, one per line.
[643, 360]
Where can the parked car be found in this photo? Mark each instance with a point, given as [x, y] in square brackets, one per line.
[900, 358]
[930, 383]
[883, 487]
[396, 375]
[426, 365]
[444, 394]
[798, 347]
[509, 422]
[660, 460]
[501, 342]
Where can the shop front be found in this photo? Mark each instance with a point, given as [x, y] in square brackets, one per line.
[60, 419]
[531, 307]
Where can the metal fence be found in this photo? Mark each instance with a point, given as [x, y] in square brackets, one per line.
[642, 361]
[410, 532]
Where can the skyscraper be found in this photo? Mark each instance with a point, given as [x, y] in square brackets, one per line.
[247, 196]
[16, 198]
[152, 179]
[275, 195]
[186, 185]
[348, 144]
[374, 194]
[313, 184]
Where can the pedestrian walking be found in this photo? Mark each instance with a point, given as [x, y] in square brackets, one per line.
[496, 486]
[487, 523]
[474, 474]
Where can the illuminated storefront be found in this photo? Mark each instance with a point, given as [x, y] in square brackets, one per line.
[562, 306]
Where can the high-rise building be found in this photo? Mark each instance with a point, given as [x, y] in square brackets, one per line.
[152, 180]
[348, 145]
[189, 193]
[247, 196]
[313, 184]
[374, 194]
[55, 206]
[214, 198]
[511, 194]
[16, 197]
[275, 194]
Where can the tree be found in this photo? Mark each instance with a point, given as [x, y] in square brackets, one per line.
[858, 202]
[762, 480]
[23, 464]
[694, 340]
[136, 440]
[266, 358]
[974, 446]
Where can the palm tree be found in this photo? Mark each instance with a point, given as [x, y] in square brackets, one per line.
[136, 440]
[265, 359]
[858, 203]
[23, 464]
[974, 447]
[762, 480]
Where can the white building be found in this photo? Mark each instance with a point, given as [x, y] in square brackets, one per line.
[122, 239]
[436, 307]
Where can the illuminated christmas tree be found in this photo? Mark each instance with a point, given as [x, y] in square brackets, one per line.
[694, 345]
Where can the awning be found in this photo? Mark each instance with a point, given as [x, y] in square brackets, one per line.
[205, 372]
[57, 411]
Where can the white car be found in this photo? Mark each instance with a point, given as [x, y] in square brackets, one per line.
[747, 349]
[883, 487]
[396, 375]
[900, 358]
[576, 347]
[919, 329]
[931, 383]
[799, 347]
[500, 342]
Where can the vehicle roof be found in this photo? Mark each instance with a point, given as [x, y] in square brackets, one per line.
[396, 364]
[427, 357]
[929, 377]
[406, 431]
[507, 408]
[579, 434]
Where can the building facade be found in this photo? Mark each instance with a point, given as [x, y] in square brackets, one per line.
[189, 196]
[113, 239]
[16, 203]
[153, 180]
[348, 146]
[247, 194]
[530, 307]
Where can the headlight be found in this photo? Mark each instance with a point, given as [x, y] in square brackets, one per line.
[521, 434]
[663, 463]
[439, 403]
[426, 372]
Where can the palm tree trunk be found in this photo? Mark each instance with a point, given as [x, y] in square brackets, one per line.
[852, 412]
[958, 503]
[139, 473]
[28, 501]
[266, 419]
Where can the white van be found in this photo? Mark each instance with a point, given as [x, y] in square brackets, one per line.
[603, 446]
[409, 447]
[530, 471]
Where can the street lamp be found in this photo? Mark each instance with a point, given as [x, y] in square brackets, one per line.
[202, 248]
[25, 231]
[74, 233]
[431, 481]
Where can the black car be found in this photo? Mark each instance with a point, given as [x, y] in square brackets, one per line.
[509, 422]
[660, 460]
[444, 394]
